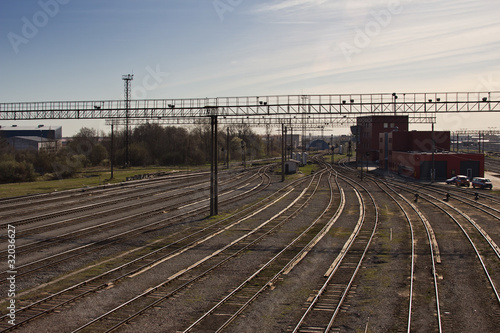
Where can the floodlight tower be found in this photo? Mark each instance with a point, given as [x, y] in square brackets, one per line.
[127, 78]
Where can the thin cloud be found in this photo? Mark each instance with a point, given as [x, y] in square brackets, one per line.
[288, 4]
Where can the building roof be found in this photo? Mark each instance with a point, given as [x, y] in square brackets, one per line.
[32, 138]
[318, 144]
[29, 128]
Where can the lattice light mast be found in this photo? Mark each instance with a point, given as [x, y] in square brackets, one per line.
[127, 78]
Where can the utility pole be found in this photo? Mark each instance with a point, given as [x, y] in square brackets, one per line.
[112, 148]
[243, 154]
[433, 171]
[268, 143]
[127, 78]
[227, 148]
[332, 147]
[214, 200]
[283, 151]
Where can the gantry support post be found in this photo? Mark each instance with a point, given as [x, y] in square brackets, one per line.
[227, 148]
[112, 150]
[283, 151]
[433, 163]
[214, 204]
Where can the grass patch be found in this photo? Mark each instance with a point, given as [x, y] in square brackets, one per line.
[88, 177]
[308, 169]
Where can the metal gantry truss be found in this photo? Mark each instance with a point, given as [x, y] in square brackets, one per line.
[305, 111]
[277, 106]
[318, 121]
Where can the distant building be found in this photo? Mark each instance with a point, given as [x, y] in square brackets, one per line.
[414, 141]
[36, 138]
[318, 145]
[367, 132]
[411, 154]
[419, 164]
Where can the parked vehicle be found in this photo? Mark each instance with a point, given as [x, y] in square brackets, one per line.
[479, 182]
[462, 181]
[451, 180]
[459, 180]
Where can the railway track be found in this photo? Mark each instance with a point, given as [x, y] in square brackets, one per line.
[420, 281]
[326, 303]
[99, 244]
[136, 306]
[112, 276]
[277, 255]
[479, 232]
[70, 294]
[223, 313]
[492, 165]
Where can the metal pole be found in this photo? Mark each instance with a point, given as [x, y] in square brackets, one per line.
[214, 210]
[332, 147]
[227, 148]
[127, 79]
[433, 171]
[112, 151]
[283, 151]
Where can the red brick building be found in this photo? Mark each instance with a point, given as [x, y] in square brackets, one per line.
[410, 154]
[368, 130]
[414, 141]
[419, 165]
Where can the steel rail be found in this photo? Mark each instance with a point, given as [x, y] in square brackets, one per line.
[344, 295]
[98, 192]
[337, 264]
[58, 224]
[438, 188]
[412, 270]
[481, 231]
[429, 237]
[433, 261]
[175, 276]
[80, 250]
[283, 270]
[484, 235]
[83, 231]
[254, 275]
[495, 249]
[100, 276]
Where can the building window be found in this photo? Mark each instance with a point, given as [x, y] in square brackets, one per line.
[386, 125]
[392, 125]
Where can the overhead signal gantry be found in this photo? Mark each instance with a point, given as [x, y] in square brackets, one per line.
[276, 109]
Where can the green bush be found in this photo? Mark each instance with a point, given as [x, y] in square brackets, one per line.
[12, 171]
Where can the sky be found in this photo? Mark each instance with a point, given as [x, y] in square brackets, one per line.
[53, 50]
